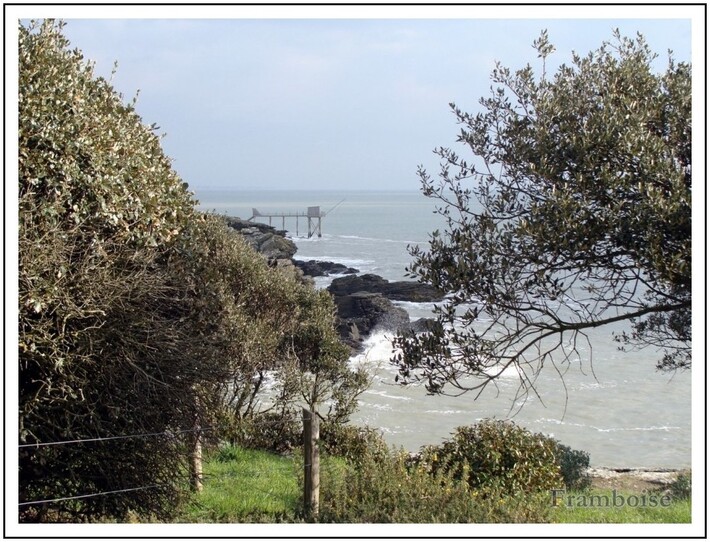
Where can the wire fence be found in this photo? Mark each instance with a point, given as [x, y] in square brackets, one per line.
[120, 437]
[169, 434]
[89, 495]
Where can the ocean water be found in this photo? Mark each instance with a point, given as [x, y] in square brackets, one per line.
[620, 409]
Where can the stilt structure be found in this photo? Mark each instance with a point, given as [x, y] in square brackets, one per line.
[313, 215]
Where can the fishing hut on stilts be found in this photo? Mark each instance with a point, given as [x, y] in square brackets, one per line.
[313, 216]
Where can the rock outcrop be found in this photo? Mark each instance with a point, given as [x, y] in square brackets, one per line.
[364, 302]
[396, 291]
[362, 313]
[632, 479]
[265, 239]
[317, 268]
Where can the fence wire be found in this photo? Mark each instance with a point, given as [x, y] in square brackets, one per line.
[89, 495]
[205, 476]
[172, 434]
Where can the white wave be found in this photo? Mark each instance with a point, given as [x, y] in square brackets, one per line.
[548, 421]
[321, 283]
[305, 239]
[652, 428]
[500, 372]
[379, 240]
[416, 305]
[382, 393]
[556, 421]
[378, 406]
[377, 348]
[596, 385]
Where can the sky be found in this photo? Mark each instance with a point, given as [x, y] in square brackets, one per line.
[334, 103]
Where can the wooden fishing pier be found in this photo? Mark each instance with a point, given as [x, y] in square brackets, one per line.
[313, 215]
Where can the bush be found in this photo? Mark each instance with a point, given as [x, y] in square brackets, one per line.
[100, 209]
[138, 315]
[385, 488]
[573, 467]
[496, 455]
[682, 486]
[279, 432]
[351, 442]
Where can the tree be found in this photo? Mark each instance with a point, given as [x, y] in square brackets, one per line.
[138, 315]
[100, 209]
[272, 335]
[574, 213]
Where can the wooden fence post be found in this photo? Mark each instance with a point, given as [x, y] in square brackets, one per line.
[311, 464]
[196, 464]
[196, 452]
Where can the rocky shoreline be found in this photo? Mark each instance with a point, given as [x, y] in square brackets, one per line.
[633, 479]
[364, 302]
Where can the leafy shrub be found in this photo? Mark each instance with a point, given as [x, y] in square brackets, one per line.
[496, 455]
[573, 467]
[350, 442]
[385, 488]
[100, 209]
[682, 486]
[278, 432]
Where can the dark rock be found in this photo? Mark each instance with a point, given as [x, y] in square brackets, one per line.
[361, 313]
[265, 239]
[239, 224]
[275, 247]
[315, 268]
[397, 291]
[424, 325]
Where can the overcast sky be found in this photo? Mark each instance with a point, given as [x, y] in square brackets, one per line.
[319, 104]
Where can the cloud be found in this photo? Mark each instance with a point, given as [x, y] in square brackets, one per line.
[278, 99]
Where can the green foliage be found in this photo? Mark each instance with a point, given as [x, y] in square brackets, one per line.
[254, 486]
[573, 211]
[350, 441]
[86, 157]
[226, 453]
[99, 212]
[573, 467]
[137, 313]
[279, 432]
[496, 455]
[682, 486]
[385, 488]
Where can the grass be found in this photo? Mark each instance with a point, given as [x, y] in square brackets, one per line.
[251, 486]
[597, 506]
[246, 486]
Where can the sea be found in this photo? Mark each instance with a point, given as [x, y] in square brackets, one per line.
[618, 408]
